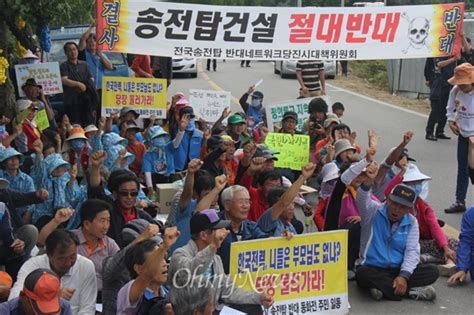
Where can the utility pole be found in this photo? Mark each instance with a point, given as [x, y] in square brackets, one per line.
[299, 3]
[342, 3]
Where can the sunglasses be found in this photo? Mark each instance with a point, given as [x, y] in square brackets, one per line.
[128, 193]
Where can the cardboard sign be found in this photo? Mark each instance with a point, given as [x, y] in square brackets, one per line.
[275, 112]
[293, 149]
[209, 105]
[45, 74]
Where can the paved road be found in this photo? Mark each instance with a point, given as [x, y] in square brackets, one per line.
[437, 159]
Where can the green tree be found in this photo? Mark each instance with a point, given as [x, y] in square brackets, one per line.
[36, 13]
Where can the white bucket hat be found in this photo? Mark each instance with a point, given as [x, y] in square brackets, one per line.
[414, 174]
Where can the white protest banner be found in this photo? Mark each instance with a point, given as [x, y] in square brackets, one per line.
[275, 112]
[45, 74]
[209, 105]
[279, 33]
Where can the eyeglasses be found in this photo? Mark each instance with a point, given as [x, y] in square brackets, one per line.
[128, 193]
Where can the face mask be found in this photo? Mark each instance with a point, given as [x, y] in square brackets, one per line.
[77, 144]
[326, 188]
[256, 103]
[425, 190]
[418, 188]
[190, 126]
[159, 142]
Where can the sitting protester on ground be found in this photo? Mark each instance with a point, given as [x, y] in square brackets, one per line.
[158, 161]
[199, 257]
[339, 132]
[146, 263]
[277, 218]
[391, 166]
[342, 211]
[237, 203]
[464, 254]
[197, 185]
[135, 147]
[77, 274]
[10, 162]
[329, 174]
[115, 274]
[76, 150]
[92, 235]
[338, 109]
[390, 228]
[435, 246]
[59, 179]
[196, 298]
[124, 186]
[266, 180]
[41, 294]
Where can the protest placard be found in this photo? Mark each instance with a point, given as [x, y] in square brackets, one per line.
[293, 149]
[209, 105]
[45, 74]
[279, 33]
[275, 112]
[146, 96]
[41, 118]
[305, 275]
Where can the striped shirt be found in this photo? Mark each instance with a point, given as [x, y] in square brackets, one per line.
[310, 70]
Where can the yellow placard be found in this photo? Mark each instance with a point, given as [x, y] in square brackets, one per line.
[41, 120]
[309, 270]
[293, 149]
[146, 96]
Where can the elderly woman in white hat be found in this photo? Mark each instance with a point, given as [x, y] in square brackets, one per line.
[435, 246]
[27, 111]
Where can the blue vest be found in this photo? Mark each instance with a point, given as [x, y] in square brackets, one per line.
[190, 147]
[386, 249]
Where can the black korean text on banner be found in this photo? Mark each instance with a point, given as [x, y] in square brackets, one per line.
[277, 33]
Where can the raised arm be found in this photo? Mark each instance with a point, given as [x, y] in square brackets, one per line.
[61, 216]
[243, 99]
[367, 207]
[206, 201]
[193, 166]
[181, 129]
[287, 198]
[105, 61]
[83, 41]
[153, 265]
[393, 157]
[225, 113]
[97, 159]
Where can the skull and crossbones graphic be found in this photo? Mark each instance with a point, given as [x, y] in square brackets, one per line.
[418, 31]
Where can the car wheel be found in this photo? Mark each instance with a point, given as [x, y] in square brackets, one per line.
[331, 77]
[275, 71]
[193, 75]
[283, 75]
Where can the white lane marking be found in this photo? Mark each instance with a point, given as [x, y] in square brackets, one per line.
[377, 101]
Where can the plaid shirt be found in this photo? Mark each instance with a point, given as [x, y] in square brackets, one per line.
[21, 182]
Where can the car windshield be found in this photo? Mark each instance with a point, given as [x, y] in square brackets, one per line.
[57, 53]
